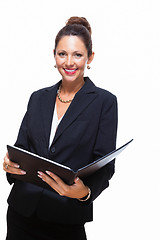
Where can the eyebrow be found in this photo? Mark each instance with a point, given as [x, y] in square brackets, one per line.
[77, 51]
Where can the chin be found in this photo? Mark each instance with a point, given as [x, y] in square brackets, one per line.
[72, 78]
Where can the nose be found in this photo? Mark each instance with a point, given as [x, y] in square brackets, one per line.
[69, 61]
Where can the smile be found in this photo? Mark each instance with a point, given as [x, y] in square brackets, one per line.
[70, 71]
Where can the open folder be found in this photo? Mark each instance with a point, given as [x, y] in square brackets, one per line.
[31, 163]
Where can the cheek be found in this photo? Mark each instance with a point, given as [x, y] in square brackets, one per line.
[82, 64]
[59, 62]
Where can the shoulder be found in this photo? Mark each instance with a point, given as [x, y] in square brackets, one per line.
[108, 100]
[102, 94]
[44, 95]
[45, 91]
[105, 93]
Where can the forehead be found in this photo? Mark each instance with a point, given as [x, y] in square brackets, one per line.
[71, 43]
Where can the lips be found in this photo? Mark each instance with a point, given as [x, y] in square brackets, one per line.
[70, 71]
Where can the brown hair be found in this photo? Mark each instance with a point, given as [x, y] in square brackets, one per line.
[76, 26]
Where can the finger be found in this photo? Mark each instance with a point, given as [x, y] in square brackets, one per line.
[61, 186]
[11, 167]
[78, 181]
[9, 162]
[13, 170]
[50, 181]
[56, 178]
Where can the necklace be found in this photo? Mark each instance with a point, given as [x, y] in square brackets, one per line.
[59, 97]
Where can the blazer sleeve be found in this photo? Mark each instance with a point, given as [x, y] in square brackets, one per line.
[22, 139]
[105, 143]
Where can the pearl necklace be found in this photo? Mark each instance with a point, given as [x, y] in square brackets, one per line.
[59, 97]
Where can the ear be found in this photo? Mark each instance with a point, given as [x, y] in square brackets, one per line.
[90, 59]
[54, 52]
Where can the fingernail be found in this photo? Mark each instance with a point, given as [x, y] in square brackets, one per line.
[23, 172]
[39, 176]
[40, 173]
[48, 172]
[16, 166]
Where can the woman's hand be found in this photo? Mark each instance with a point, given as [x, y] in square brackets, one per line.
[11, 167]
[77, 190]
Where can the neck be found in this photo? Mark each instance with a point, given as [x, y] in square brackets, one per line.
[71, 87]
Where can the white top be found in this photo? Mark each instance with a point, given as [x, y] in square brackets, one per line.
[55, 123]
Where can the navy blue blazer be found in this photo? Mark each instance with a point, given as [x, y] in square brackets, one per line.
[86, 133]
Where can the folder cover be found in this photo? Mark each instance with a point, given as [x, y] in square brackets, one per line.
[31, 163]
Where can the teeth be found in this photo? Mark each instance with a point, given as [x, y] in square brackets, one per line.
[69, 70]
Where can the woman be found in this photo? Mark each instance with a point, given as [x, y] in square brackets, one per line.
[73, 123]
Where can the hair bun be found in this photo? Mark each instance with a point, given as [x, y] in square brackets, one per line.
[79, 20]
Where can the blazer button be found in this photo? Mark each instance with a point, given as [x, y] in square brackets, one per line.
[53, 149]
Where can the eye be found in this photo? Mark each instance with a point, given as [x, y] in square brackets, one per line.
[78, 55]
[61, 54]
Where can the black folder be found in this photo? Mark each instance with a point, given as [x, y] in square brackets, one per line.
[32, 163]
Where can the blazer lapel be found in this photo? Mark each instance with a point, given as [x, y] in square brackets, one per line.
[47, 104]
[81, 100]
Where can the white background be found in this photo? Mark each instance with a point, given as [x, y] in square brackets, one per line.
[126, 40]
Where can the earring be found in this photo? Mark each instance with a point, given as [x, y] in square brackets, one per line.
[88, 67]
[55, 66]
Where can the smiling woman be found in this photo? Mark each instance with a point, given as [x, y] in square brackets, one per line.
[73, 51]
[73, 123]
[71, 58]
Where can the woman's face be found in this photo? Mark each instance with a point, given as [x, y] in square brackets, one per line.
[71, 58]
